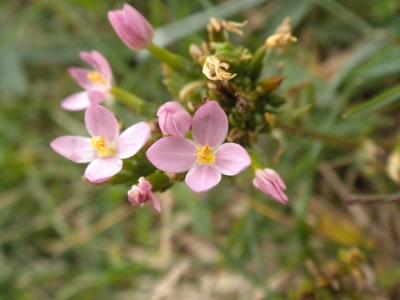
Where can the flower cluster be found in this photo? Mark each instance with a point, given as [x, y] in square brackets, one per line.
[199, 137]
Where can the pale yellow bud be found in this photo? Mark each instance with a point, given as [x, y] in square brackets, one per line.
[282, 37]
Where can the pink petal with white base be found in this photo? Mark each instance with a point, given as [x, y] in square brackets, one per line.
[133, 139]
[172, 154]
[210, 125]
[75, 148]
[102, 169]
[98, 62]
[76, 102]
[202, 178]
[231, 159]
[100, 122]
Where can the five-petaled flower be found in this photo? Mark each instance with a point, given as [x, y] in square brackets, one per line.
[271, 184]
[96, 82]
[132, 28]
[141, 193]
[206, 158]
[106, 148]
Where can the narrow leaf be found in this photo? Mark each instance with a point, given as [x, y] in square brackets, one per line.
[387, 97]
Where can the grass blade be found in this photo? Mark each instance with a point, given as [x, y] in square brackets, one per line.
[387, 97]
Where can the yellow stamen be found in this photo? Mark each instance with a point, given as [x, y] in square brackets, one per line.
[103, 149]
[206, 156]
[96, 78]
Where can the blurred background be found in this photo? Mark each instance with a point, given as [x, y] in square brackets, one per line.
[61, 238]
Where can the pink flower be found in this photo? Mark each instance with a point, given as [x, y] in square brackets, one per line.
[206, 158]
[271, 184]
[106, 148]
[173, 119]
[141, 193]
[132, 28]
[96, 82]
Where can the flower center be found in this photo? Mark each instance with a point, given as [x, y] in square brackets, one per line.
[103, 149]
[205, 155]
[96, 78]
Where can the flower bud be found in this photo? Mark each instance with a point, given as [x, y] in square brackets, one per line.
[173, 119]
[282, 37]
[271, 184]
[132, 28]
[142, 193]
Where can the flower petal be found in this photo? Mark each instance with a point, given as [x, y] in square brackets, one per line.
[172, 154]
[76, 148]
[210, 125]
[75, 102]
[98, 62]
[173, 119]
[81, 77]
[155, 202]
[133, 139]
[202, 178]
[101, 122]
[96, 97]
[138, 26]
[102, 169]
[133, 29]
[232, 159]
[271, 189]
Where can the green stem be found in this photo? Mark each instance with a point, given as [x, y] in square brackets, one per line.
[255, 162]
[174, 61]
[128, 99]
[160, 181]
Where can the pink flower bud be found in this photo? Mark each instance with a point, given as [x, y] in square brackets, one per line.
[271, 184]
[132, 28]
[173, 119]
[141, 193]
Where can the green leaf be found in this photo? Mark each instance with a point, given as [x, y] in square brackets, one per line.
[387, 97]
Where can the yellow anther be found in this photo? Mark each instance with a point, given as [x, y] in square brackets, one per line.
[103, 149]
[206, 156]
[96, 78]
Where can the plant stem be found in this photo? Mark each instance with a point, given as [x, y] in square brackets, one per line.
[374, 199]
[174, 61]
[128, 99]
[160, 181]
